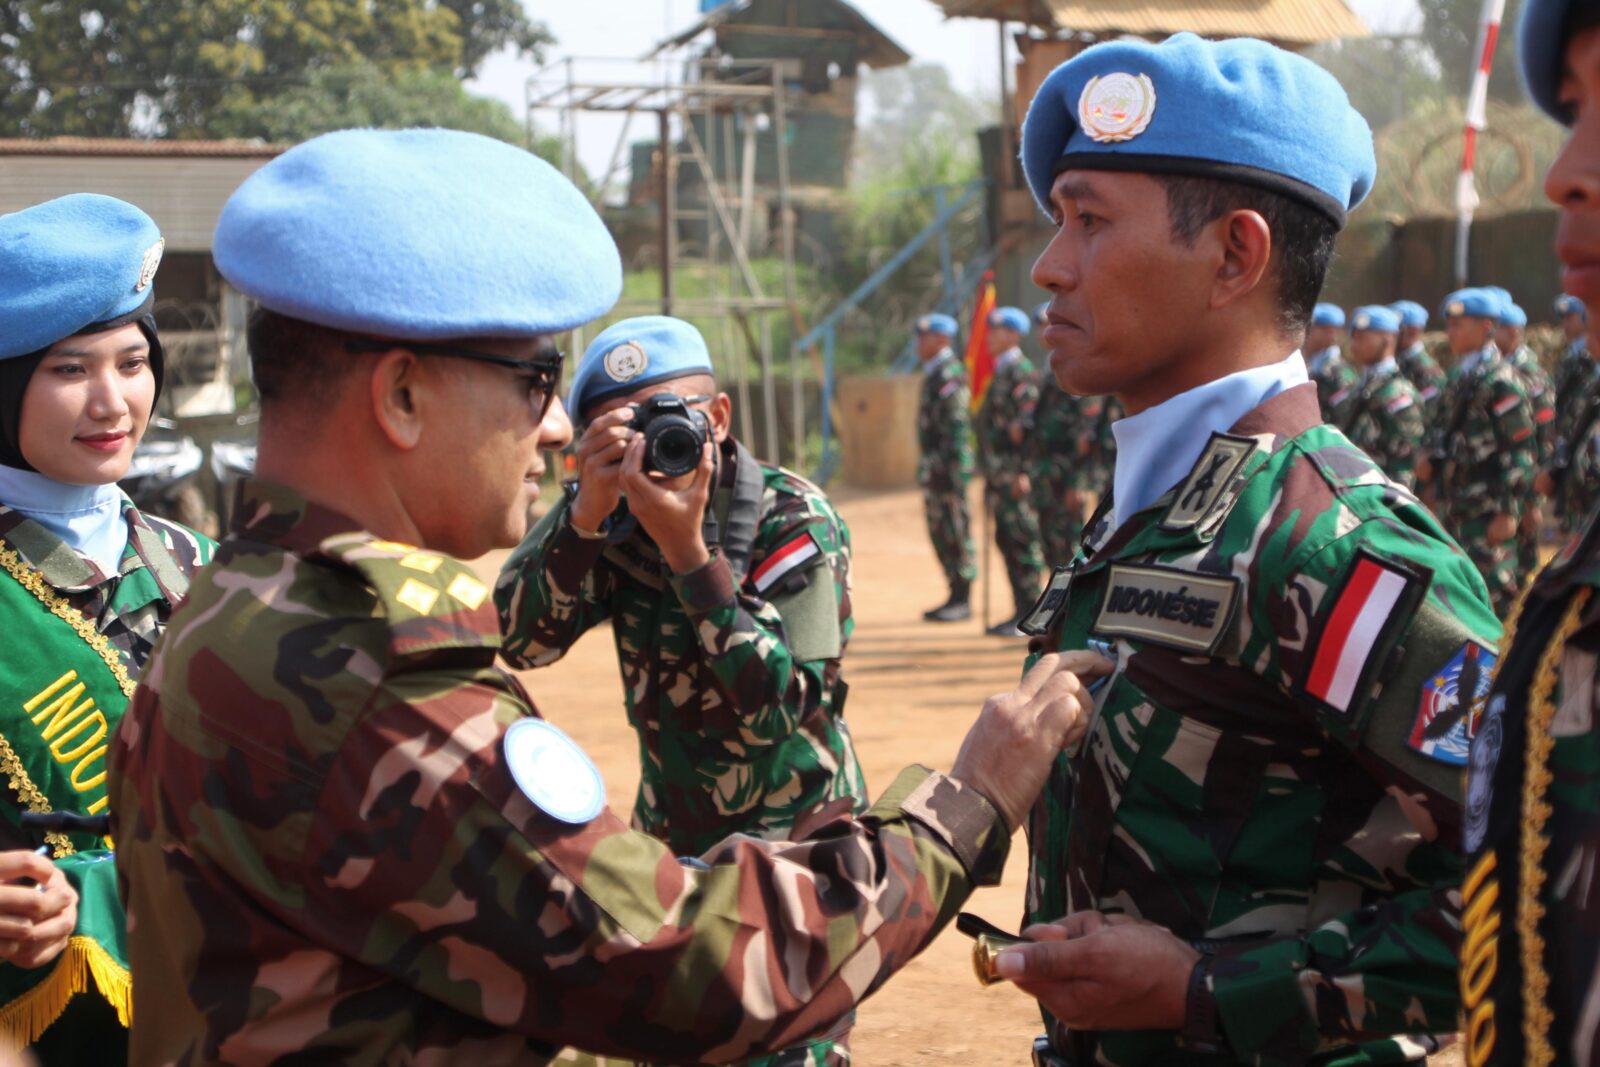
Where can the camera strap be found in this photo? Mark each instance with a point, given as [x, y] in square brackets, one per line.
[737, 510]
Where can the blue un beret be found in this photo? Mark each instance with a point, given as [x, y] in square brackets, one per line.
[1011, 318]
[1327, 315]
[1239, 109]
[634, 353]
[1471, 303]
[418, 235]
[1547, 27]
[1567, 304]
[1375, 317]
[1411, 313]
[1512, 315]
[71, 263]
[943, 325]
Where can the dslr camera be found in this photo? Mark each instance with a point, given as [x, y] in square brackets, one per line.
[674, 434]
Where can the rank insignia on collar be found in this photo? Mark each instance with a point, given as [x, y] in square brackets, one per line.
[1211, 484]
[1046, 611]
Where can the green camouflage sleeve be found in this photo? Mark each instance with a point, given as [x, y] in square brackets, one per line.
[957, 415]
[989, 428]
[774, 648]
[550, 591]
[1516, 445]
[1387, 965]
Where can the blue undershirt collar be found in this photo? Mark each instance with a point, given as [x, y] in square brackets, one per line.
[87, 517]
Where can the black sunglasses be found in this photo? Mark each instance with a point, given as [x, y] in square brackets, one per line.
[544, 367]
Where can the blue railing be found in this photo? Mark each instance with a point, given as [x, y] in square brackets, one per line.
[825, 332]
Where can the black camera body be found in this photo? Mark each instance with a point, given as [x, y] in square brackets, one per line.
[674, 434]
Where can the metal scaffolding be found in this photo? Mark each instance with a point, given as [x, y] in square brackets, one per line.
[709, 114]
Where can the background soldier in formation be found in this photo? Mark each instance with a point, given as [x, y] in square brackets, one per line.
[1572, 481]
[1326, 365]
[1003, 426]
[1530, 957]
[1384, 418]
[944, 463]
[343, 832]
[1574, 365]
[1509, 335]
[1059, 461]
[1253, 856]
[1480, 461]
[1419, 367]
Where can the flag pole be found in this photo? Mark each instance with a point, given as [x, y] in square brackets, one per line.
[1477, 121]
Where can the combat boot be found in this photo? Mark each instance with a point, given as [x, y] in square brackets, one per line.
[956, 608]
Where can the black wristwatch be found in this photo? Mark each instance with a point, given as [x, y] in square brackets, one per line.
[1202, 1026]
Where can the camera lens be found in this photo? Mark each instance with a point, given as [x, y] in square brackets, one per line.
[673, 445]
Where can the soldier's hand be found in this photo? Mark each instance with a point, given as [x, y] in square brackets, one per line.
[1532, 519]
[1502, 528]
[1008, 753]
[1424, 469]
[1085, 446]
[671, 510]
[1020, 486]
[35, 919]
[1072, 500]
[599, 455]
[1104, 972]
[1543, 484]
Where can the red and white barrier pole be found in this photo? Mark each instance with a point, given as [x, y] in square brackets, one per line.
[1477, 120]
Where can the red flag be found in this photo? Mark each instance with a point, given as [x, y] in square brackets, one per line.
[980, 364]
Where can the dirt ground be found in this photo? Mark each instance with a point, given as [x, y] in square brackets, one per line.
[915, 687]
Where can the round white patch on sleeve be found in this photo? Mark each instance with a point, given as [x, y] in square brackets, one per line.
[553, 772]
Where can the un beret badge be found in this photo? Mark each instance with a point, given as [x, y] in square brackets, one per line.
[147, 269]
[1363, 322]
[1117, 107]
[1456, 308]
[626, 362]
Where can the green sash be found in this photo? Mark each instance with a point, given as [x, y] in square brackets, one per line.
[63, 690]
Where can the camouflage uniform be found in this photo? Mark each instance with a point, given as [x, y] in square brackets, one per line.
[60, 757]
[1385, 420]
[1008, 407]
[1241, 780]
[732, 684]
[1483, 450]
[1058, 465]
[944, 467]
[1572, 371]
[1530, 956]
[1424, 373]
[1575, 466]
[327, 858]
[1542, 402]
[1335, 380]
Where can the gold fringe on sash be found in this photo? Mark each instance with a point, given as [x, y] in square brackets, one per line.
[84, 967]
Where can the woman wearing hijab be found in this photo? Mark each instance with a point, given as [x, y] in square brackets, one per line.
[87, 583]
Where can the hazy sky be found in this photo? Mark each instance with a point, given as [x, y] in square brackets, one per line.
[626, 29]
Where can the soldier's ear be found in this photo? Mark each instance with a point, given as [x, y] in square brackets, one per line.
[396, 388]
[1243, 267]
[721, 417]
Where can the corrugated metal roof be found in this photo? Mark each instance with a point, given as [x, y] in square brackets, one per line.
[1298, 22]
[881, 50]
[112, 146]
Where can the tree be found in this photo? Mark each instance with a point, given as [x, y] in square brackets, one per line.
[1450, 28]
[121, 67]
[916, 103]
[1387, 78]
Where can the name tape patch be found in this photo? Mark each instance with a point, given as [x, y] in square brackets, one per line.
[1177, 609]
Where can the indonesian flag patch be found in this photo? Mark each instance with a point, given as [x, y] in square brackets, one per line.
[784, 561]
[1358, 629]
[1399, 403]
[1506, 404]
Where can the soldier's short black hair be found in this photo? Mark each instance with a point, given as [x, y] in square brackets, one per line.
[294, 360]
[1302, 236]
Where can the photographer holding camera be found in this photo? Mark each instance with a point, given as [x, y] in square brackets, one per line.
[726, 581]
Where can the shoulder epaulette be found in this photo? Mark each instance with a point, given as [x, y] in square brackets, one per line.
[431, 601]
